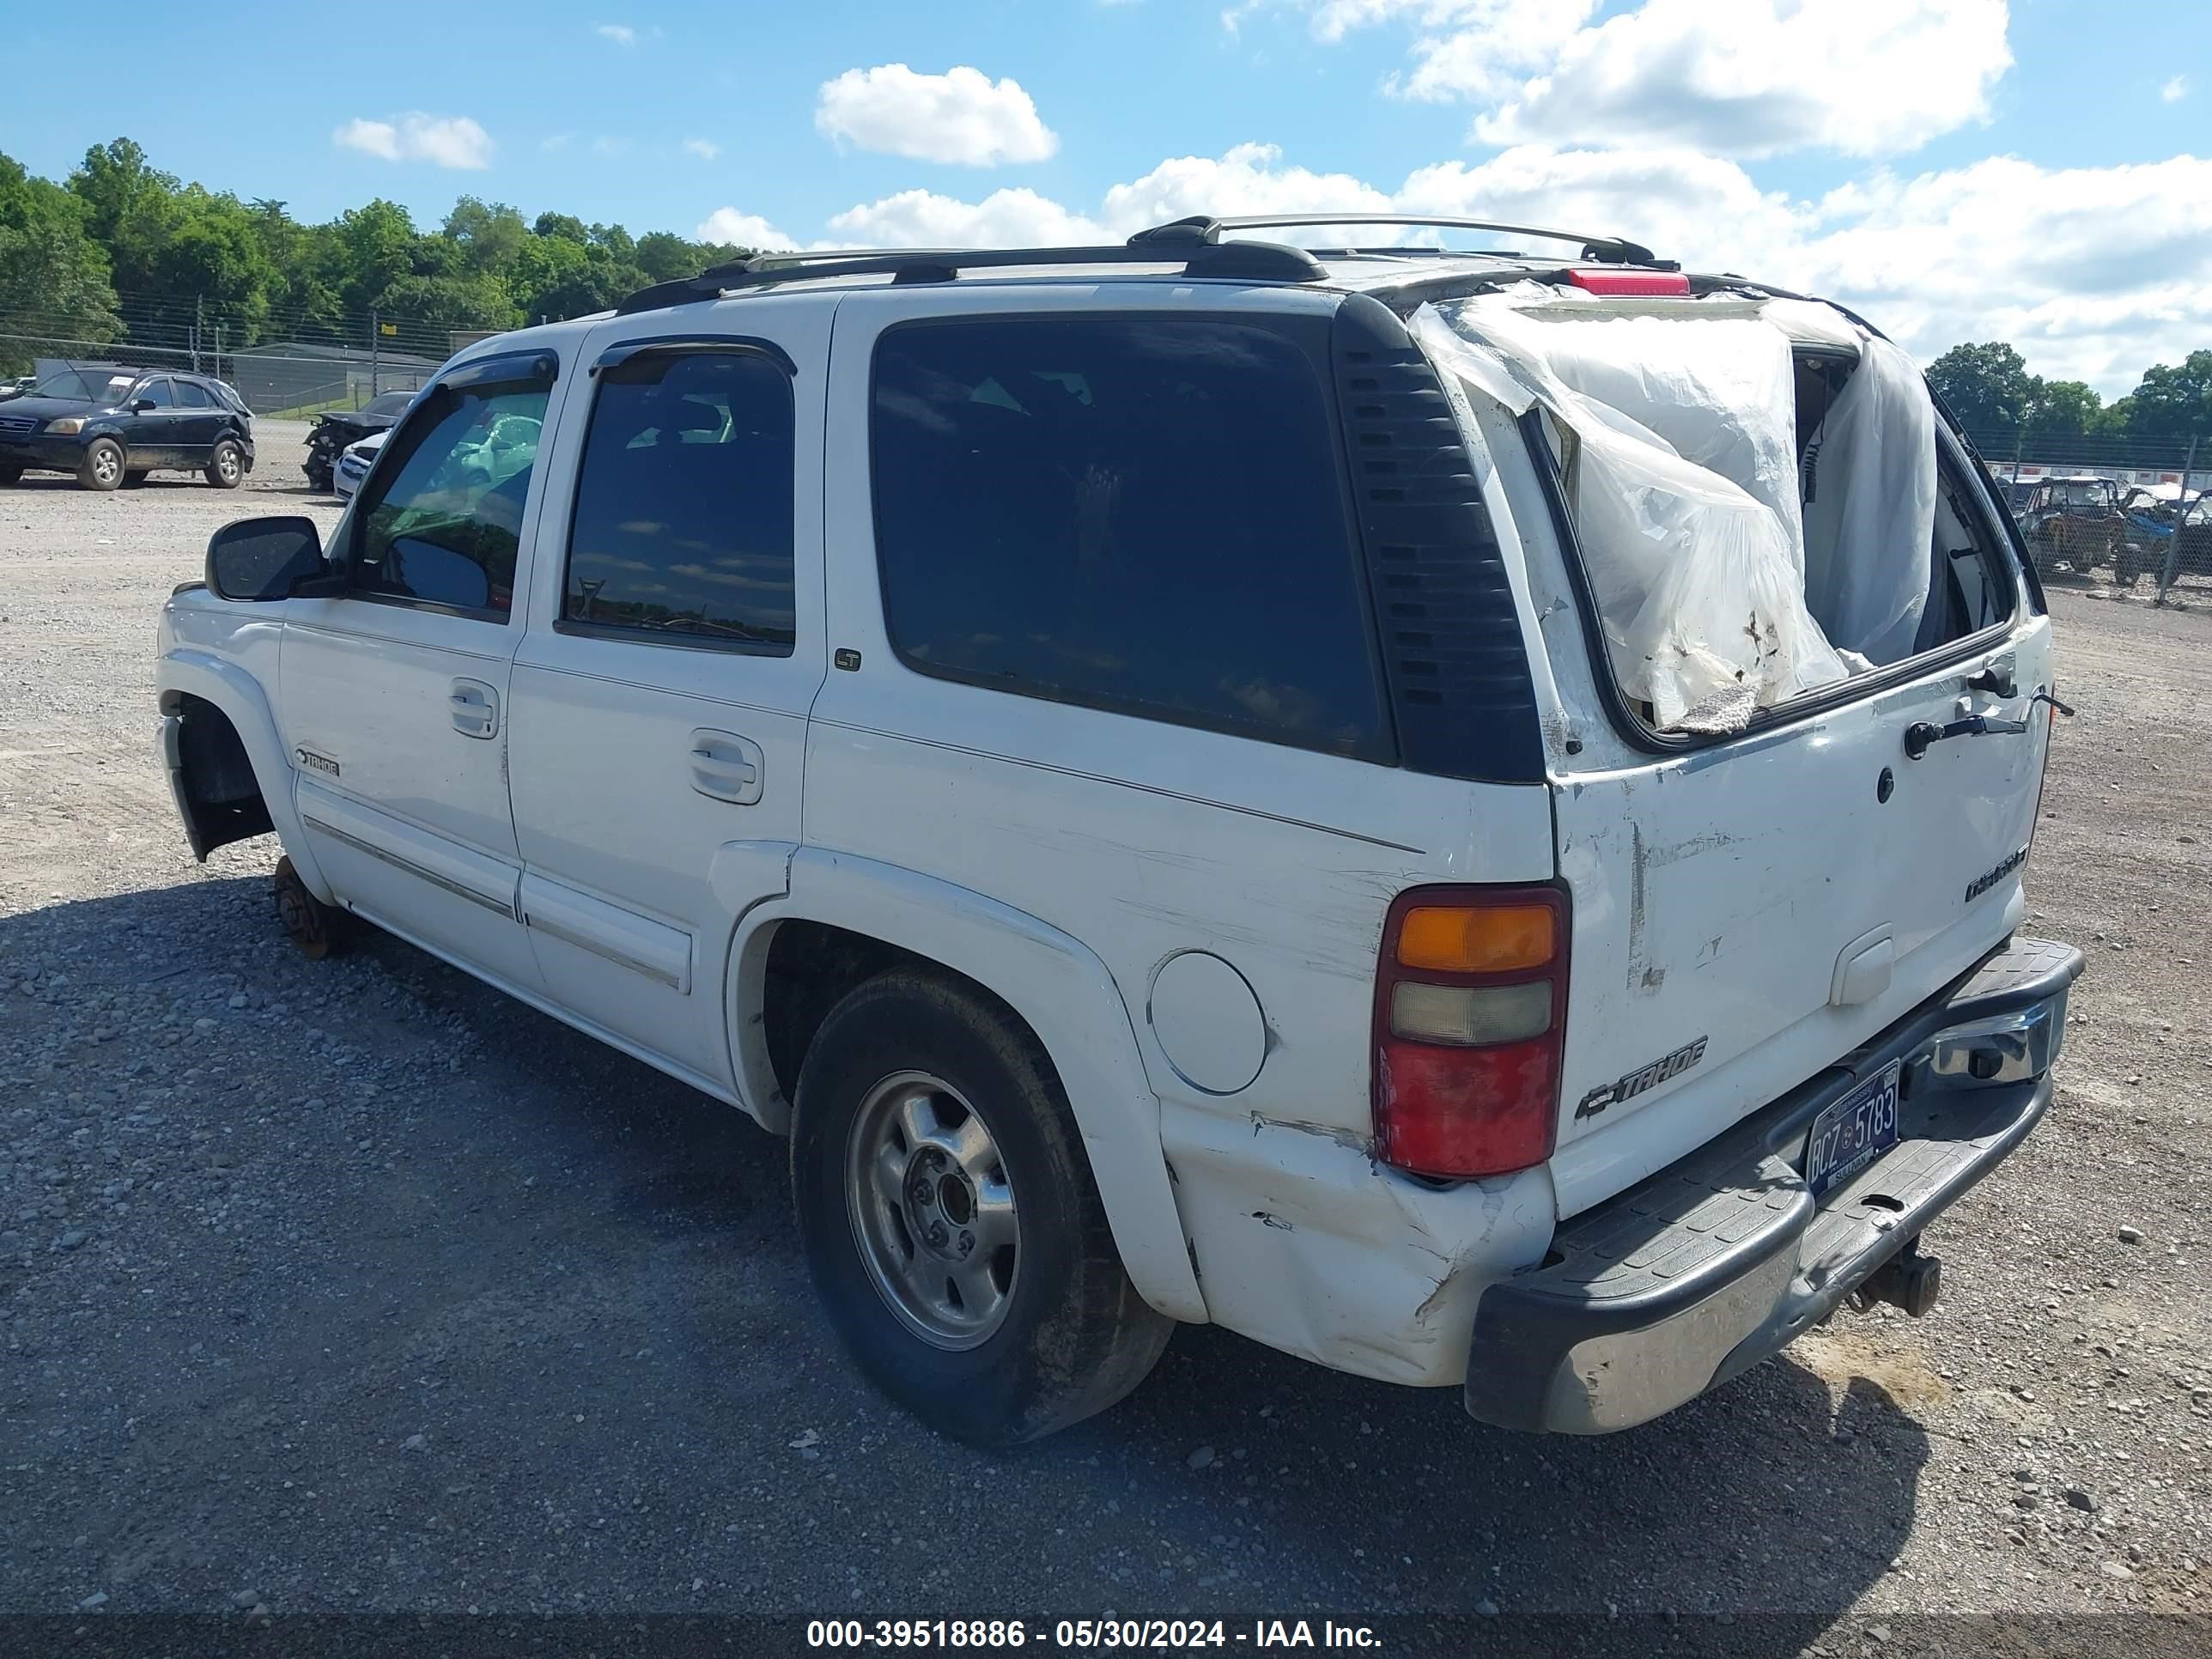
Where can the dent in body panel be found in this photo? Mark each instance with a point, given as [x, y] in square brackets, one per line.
[1304, 1243]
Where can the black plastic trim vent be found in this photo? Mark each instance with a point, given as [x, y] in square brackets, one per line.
[1452, 651]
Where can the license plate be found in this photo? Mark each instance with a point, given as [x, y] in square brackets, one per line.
[1853, 1132]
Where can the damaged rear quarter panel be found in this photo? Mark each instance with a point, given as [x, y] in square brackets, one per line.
[1304, 1243]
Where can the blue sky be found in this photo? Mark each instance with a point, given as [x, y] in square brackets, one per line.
[1966, 168]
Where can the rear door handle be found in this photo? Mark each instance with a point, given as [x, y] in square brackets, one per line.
[726, 766]
[1921, 735]
[475, 708]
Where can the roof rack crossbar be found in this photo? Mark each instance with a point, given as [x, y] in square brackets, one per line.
[1202, 228]
[1249, 261]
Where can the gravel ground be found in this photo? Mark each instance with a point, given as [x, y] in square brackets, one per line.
[356, 1286]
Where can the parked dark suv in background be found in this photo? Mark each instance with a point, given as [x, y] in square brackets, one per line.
[114, 426]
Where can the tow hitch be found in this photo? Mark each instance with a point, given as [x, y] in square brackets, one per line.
[1908, 1280]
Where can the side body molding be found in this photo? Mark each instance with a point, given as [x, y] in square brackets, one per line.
[1050, 979]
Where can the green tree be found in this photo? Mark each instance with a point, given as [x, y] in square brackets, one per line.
[2174, 402]
[425, 307]
[663, 256]
[565, 226]
[2063, 409]
[178, 254]
[116, 183]
[489, 235]
[54, 278]
[1988, 386]
[617, 242]
[598, 281]
[375, 247]
[205, 249]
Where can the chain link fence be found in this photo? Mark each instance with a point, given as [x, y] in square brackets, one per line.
[2114, 510]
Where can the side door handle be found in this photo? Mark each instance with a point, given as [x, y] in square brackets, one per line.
[475, 708]
[726, 766]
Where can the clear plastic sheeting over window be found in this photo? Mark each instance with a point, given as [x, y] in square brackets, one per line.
[1697, 585]
[1752, 484]
[1868, 490]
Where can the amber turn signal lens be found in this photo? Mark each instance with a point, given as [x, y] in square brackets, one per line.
[1489, 939]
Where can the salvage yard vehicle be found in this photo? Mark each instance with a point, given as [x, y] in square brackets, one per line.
[1461, 815]
[353, 464]
[332, 435]
[2078, 521]
[111, 427]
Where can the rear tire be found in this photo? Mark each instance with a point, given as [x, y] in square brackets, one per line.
[226, 467]
[102, 468]
[933, 1147]
[316, 927]
[10, 476]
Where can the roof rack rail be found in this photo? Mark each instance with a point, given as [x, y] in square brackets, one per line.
[1201, 228]
[815, 256]
[1246, 261]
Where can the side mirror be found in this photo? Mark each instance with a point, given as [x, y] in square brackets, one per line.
[261, 559]
[140, 405]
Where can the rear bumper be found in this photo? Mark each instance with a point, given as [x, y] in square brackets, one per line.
[1723, 1258]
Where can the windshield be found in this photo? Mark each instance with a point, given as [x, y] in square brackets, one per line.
[2083, 492]
[392, 402]
[84, 386]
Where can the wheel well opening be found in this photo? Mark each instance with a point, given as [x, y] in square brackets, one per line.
[221, 791]
[812, 965]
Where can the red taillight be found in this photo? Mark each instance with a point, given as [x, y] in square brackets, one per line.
[1658, 283]
[1467, 1062]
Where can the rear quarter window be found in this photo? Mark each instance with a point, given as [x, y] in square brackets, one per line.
[1141, 514]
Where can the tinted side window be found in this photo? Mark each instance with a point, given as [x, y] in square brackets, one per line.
[441, 518]
[1144, 515]
[155, 392]
[190, 396]
[684, 502]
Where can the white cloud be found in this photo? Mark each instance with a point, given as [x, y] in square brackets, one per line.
[1248, 179]
[556, 141]
[1735, 77]
[621, 33]
[962, 116]
[2094, 273]
[1467, 48]
[448, 141]
[728, 225]
[1676, 202]
[2174, 90]
[705, 149]
[1006, 218]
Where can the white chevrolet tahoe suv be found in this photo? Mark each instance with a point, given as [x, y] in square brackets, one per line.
[1459, 814]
